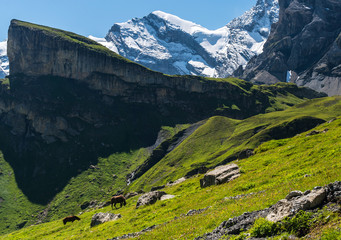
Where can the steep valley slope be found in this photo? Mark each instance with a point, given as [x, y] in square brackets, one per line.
[76, 119]
[300, 162]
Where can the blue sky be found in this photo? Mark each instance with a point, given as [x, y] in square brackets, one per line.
[95, 17]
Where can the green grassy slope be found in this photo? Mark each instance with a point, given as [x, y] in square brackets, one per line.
[278, 167]
[94, 184]
[221, 139]
[15, 208]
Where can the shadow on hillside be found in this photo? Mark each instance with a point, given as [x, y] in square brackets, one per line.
[101, 125]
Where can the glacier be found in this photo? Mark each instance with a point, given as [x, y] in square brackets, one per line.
[4, 63]
[166, 43]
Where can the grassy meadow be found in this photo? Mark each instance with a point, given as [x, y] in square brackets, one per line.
[278, 167]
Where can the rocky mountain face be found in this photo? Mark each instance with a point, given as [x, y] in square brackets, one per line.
[169, 44]
[4, 64]
[71, 101]
[304, 47]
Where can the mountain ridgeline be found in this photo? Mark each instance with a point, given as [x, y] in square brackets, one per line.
[71, 101]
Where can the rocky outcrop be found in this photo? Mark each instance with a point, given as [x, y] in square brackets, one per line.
[288, 207]
[220, 175]
[149, 198]
[295, 202]
[303, 47]
[100, 218]
[135, 234]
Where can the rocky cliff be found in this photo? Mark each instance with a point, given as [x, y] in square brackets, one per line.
[304, 47]
[71, 101]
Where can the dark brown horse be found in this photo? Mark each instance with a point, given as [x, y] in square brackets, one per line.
[118, 199]
[70, 219]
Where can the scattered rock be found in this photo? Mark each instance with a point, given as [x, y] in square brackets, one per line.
[103, 204]
[135, 234]
[242, 195]
[166, 197]
[130, 195]
[1, 199]
[331, 120]
[194, 211]
[157, 188]
[67, 196]
[314, 132]
[219, 175]
[245, 154]
[180, 180]
[91, 204]
[114, 176]
[100, 218]
[149, 198]
[293, 194]
[93, 167]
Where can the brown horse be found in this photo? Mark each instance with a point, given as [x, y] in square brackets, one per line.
[118, 199]
[70, 219]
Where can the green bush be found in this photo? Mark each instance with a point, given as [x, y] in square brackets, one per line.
[265, 228]
[298, 225]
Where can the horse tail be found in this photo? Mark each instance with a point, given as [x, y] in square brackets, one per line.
[124, 201]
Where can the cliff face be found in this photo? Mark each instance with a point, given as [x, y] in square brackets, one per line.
[72, 100]
[303, 47]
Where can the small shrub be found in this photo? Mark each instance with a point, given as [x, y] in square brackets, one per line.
[246, 187]
[299, 224]
[265, 228]
[241, 236]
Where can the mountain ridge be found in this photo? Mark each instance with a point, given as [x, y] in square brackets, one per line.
[304, 47]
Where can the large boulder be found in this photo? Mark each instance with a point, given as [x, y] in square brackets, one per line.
[295, 202]
[100, 218]
[219, 175]
[149, 198]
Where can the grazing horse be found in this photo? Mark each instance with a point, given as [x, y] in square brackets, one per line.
[118, 199]
[70, 219]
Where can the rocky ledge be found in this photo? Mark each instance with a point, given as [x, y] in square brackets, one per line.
[293, 203]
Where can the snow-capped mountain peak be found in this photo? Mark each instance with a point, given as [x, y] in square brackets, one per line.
[4, 64]
[169, 44]
[176, 22]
